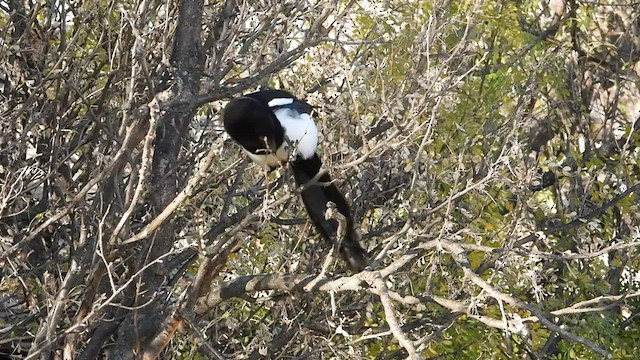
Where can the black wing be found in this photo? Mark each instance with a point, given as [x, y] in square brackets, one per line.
[266, 96]
[249, 122]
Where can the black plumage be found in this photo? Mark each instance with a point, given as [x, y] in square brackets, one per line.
[269, 125]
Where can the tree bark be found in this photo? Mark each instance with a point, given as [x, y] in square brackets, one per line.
[139, 329]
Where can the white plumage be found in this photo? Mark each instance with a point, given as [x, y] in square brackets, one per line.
[299, 129]
[280, 101]
[270, 161]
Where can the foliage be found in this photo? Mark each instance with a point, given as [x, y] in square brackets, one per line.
[489, 149]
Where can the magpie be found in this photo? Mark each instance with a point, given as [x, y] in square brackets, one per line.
[273, 126]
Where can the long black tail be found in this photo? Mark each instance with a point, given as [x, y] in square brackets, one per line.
[315, 197]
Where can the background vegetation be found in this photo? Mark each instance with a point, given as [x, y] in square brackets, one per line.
[489, 148]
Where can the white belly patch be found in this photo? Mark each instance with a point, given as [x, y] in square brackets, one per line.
[271, 160]
[300, 130]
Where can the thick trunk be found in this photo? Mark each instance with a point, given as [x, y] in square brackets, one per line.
[138, 331]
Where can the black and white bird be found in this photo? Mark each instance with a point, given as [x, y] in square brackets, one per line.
[272, 126]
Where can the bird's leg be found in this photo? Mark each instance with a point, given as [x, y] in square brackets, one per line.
[265, 200]
[265, 172]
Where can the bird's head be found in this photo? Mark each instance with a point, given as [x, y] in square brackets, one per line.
[247, 115]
